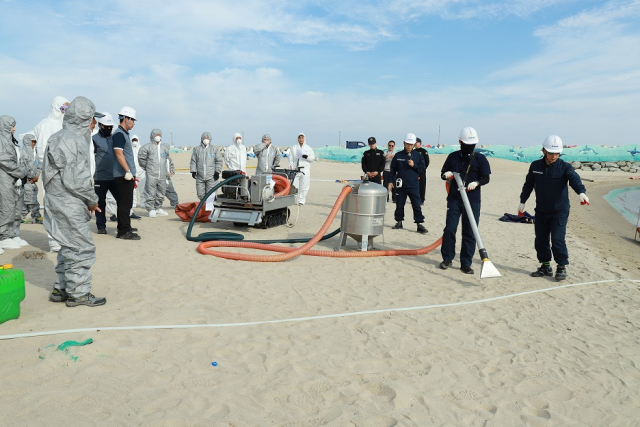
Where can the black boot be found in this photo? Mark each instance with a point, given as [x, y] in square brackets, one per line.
[398, 225]
[421, 229]
[543, 270]
[561, 272]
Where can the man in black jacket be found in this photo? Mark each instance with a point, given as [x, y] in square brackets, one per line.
[373, 161]
[549, 177]
[423, 176]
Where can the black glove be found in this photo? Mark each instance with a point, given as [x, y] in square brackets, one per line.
[193, 175]
[24, 181]
[216, 176]
[304, 156]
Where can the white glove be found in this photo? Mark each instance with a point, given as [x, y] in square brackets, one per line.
[521, 207]
[18, 183]
[584, 200]
[448, 175]
[128, 176]
[472, 186]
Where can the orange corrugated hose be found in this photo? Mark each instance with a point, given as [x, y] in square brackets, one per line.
[289, 253]
[282, 184]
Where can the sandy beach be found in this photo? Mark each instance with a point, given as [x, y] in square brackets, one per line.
[359, 342]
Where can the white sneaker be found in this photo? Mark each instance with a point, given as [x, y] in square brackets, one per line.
[161, 212]
[152, 214]
[9, 244]
[20, 241]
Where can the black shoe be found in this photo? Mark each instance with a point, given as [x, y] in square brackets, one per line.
[88, 299]
[113, 218]
[130, 235]
[58, 295]
[466, 270]
[445, 264]
[133, 230]
[398, 225]
[543, 270]
[421, 229]
[561, 272]
[134, 216]
[102, 231]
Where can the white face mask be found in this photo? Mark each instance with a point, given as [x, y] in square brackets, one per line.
[206, 142]
[239, 141]
[157, 138]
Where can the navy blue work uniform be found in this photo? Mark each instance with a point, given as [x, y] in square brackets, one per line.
[122, 142]
[103, 177]
[552, 206]
[410, 185]
[478, 169]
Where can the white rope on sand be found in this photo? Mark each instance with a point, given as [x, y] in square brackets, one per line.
[302, 319]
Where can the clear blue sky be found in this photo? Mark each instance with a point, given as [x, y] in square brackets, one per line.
[516, 70]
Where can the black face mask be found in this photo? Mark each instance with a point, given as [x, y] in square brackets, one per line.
[467, 149]
[106, 131]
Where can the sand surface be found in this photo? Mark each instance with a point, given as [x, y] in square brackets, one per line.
[554, 356]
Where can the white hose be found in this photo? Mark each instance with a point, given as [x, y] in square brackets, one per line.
[301, 319]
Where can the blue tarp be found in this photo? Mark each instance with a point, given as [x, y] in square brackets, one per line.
[583, 153]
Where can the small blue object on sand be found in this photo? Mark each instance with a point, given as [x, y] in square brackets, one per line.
[214, 363]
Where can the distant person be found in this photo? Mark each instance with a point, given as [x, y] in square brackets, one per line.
[153, 158]
[12, 176]
[31, 204]
[103, 181]
[373, 162]
[268, 155]
[138, 191]
[235, 155]
[386, 176]
[301, 157]
[206, 165]
[69, 202]
[124, 172]
[423, 177]
[405, 169]
[550, 177]
[474, 172]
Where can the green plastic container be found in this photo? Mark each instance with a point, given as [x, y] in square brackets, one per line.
[11, 292]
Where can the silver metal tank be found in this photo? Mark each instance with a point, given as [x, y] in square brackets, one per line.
[363, 214]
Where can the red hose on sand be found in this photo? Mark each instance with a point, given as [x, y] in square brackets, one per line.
[289, 253]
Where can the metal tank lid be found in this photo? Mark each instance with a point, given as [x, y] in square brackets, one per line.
[371, 189]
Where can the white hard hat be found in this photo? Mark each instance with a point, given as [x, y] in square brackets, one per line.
[106, 120]
[410, 139]
[128, 112]
[468, 135]
[553, 144]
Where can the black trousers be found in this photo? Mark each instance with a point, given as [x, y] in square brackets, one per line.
[552, 226]
[125, 203]
[101, 188]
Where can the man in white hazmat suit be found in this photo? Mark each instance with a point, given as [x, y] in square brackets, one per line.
[301, 156]
[42, 132]
[171, 193]
[152, 157]
[268, 155]
[138, 192]
[69, 202]
[235, 155]
[206, 165]
[12, 174]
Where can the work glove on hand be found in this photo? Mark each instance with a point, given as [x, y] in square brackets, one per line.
[472, 186]
[128, 176]
[304, 156]
[193, 175]
[447, 175]
[18, 182]
[521, 208]
[584, 200]
[216, 176]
